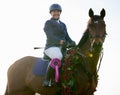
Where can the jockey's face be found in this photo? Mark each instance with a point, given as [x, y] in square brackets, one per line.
[56, 14]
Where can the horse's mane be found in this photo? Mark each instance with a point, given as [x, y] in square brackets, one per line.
[84, 38]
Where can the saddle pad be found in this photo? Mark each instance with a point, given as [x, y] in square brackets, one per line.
[40, 67]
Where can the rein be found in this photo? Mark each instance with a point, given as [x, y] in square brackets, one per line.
[84, 68]
[100, 60]
[85, 61]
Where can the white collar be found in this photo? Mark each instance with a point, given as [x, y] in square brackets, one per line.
[58, 21]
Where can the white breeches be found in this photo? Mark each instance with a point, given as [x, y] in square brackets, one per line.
[54, 52]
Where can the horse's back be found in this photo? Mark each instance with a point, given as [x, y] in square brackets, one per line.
[22, 65]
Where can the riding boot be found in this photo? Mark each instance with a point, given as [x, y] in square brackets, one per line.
[47, 80]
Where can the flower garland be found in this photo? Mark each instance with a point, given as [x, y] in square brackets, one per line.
[68, 69]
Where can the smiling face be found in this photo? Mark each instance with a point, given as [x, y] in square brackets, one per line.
[55, 14]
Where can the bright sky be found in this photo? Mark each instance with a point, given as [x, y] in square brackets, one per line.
[21, 29]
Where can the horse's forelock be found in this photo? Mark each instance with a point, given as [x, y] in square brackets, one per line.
[94, 19]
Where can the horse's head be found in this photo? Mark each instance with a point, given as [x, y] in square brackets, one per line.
[96, 27]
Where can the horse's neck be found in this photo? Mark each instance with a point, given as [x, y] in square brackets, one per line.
[84, 44]
[92, 56]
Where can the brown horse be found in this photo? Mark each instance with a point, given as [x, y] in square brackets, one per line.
[81, 77]
[79, 70]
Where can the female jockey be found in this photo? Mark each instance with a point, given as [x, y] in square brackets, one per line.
[57, 38]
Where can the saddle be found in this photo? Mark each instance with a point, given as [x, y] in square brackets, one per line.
[41, 65]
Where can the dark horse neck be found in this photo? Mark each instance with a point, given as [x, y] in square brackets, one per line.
[92, 54]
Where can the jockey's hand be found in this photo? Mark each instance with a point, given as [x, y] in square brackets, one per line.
[72, 44]
[62, 42]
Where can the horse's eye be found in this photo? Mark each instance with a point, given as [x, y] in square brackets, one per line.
[91, 25]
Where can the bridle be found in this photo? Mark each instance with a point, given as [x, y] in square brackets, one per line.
[91, 49]
[92, 38]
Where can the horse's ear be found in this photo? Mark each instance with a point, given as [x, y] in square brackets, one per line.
[91, 13]
[102, 13]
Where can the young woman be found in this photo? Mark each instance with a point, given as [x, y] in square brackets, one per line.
[57, 37]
